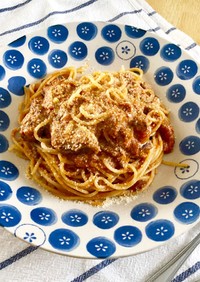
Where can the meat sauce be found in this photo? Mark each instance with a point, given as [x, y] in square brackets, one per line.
[125, 132]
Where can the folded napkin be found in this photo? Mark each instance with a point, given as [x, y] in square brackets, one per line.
[22, 262]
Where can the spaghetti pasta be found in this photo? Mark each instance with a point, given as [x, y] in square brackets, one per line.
[92, 136]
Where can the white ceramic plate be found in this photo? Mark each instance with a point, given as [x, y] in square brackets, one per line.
[169, 207]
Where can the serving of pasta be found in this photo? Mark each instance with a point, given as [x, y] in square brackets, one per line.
[89, 137]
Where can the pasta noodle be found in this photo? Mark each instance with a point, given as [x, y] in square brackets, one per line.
[92, 136]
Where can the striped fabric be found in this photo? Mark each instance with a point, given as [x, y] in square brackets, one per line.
[22, 262]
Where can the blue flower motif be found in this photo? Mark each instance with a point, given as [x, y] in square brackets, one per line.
[76, 50]
[104, 55]
[125, 49]
[6, 170]
[106, 219]
[56, 58]
[110, 33]
[56, 32]
[44, 216]
[29, 197]
[161, 231]
[127, 235]
[191, 189]
[12, 59]
[144, 212]
[35, 68]
[2, 192]
[64, 240]
[38, 44]
[30, 237]
[185, 169]
[7, 216]
[101, 247]
[75, 217]
[84, 29]
[186, 212]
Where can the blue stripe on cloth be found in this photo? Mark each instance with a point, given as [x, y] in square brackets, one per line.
[17, 256]
[170, 30]
[191, 46]
[106, 262]
[93, 270]
[152, 13]
[124, 14]
[14, 7]
[154, 29]
[184, 275]
[86, 4]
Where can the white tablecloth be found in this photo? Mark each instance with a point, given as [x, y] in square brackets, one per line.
[22, 262]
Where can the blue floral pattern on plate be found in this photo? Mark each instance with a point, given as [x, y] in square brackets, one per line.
[165, 195]
[57, 33]
[187, 212]
[191, 190]
[186, 172]
[170, 52]
[128, 236]
[75, 218]
[3, 144]
[2, 73]
[111, 33]
[105, 219]
[8, 171]
[189, 111]
[29, 196]
[198, 126]
[140, 62]
[5, 191]
[39, 45]
[9, 216]
[43, 216]
[105, 55]
[86, 30]
[196, 85]
[18, 42]
[190, 145]
[16, 85]
[149, 46]
[101, 247]
[4, 121]
[31, 233]
[5, 98]
[160, 230]
[186, 69]
[64, 239]
[78, 50]
[176, 93]
[125, 50]
[119, 228]
[163, 76]
[58, 59]
[36, 68]
[13, 59]
[134, 32]
[144, 212]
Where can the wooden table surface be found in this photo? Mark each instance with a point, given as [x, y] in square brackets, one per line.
[183, 14]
